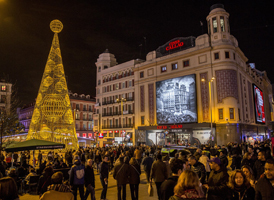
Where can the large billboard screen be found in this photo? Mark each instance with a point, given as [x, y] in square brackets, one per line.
[259, 104]
[176, 100]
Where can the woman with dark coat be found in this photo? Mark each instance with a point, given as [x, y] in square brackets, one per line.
[44, 180]
[247, 160]
[240, 187]
[134, 180]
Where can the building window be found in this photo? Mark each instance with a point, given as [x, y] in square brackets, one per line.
[98, 91]
[174, 66]
[141, 74]
[129, 83]
[214, 24]
[95, 122]
[186, 63]
[110, 88]
[117, 86]
[117, 76]
[163, 69]
[77, 127]
[110, 134]
[105, 134]
[3, 88]
[227, 54]
[3, 98]
[123, 85]
[105, 67]
[84, 127]
[216, 56]
[116, 133]
[221, 114]
[99, 69]
[142, 120]
[222, 23]
[99, 82]
[231, 113]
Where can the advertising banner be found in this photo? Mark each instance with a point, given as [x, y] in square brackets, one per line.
[176, 100]
[259, 104]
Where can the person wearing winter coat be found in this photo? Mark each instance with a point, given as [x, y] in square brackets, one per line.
[247, 160]
[57, 190]
[166, 161]
[44, 180]
[217, 181]
[188, 187]
[223, 158]
[158, 173]
[77, 177]
[198, 168]
[104, 170]
[167, 187]
[264, 187]
[258, 167]
[134, 180]
[204, 160]
[147, 162]
[239, 187]
[121, 174]
[89, 180]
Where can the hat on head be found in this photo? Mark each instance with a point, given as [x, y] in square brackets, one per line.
[216, 160]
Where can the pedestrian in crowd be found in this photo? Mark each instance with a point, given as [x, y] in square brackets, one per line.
[76, 177]
[104, 177]
[147, 162]
[8, 189]
[89, 180]
[240, 187]
[223, 158]
[57, 190]
[264, 187]
[27, 179]
[249, 174]
[204, 160]
[158, 173]
[44, 180]
[247, 160]
[198, 168]
[259, 165]
[40, 157]
[98, 160]
[167, 188]
[198, 154]
[217, 182]
[121, 175]
[236, 159]
[138, 155]
[166, 161]
[253, 155]
[134, 180]
[188, 187]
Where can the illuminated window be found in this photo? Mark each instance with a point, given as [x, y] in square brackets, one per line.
[3, 88]
[174, 66]
[227, 54]
[84, 135]
[216, 56]
[110, 134]
[221, 113]
[214, 24]
[141, 74]
[186, 63]
[231, 113]
[105, 134]
[116, 133]
[163, 69]
[222, 23]
[142, 120]
[90, 135]
[78, 134]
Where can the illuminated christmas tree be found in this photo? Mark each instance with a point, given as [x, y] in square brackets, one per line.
[52, 117]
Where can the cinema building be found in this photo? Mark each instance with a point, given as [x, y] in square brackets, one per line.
[201, 90]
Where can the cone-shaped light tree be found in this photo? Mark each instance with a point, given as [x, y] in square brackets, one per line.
[52, 117]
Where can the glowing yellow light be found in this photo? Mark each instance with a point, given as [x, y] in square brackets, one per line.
[52, 118]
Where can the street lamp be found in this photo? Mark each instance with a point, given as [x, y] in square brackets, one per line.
[210, 99]
[122, 120]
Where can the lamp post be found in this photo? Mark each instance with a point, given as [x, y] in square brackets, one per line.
[121, 101]
[210, 99]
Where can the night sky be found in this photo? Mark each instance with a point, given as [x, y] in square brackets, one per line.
[121, 26]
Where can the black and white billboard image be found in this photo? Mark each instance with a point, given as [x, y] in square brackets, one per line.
[176, 100]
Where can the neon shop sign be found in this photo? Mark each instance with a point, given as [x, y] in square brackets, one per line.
[170, 127]
[174, 45]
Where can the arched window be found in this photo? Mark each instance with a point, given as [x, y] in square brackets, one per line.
[123, 74]
[99, 69]
[111, 78]
[117, 76]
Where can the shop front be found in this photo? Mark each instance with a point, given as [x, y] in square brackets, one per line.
[172, 135]
[115, 138]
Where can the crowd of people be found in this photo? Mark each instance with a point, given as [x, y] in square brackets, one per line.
[205, 174]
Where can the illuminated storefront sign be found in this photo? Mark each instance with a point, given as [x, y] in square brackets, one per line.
[259, 104]
[101, 135]
[90, 135]
[170, 127]
[84, 135]
[174, 45]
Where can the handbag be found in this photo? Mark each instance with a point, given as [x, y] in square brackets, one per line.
[150, 190]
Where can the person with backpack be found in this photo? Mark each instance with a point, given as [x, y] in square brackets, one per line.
[76, 178]
[103, 169]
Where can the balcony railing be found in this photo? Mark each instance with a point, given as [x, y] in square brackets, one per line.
[108, 102]
[126, 112]
[118, 126]
[130, 99]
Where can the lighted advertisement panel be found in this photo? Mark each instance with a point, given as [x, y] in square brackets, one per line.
[259, 104]
[176, 100]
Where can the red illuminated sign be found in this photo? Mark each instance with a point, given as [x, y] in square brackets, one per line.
[170, 127]
[174, 45]
[101, 135]
[84, 135]
[90, 135]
